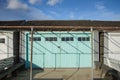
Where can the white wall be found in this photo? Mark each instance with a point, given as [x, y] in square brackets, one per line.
[96, 46]
[22, 44]
[6, 49]
[112, 50]
[106, 48]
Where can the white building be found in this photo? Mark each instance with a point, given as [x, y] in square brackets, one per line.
[6, 44]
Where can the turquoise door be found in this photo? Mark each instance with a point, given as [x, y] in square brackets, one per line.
[38, 55]
[59, 49]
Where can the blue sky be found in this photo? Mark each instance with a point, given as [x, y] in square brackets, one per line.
[60, 10]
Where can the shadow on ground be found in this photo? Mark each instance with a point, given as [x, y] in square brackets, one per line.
[99, 79]
[48, 79]
[55, 74]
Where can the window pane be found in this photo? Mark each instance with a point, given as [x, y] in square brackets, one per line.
[39, 39]
[2, 40]
[83, 38]
[67, 38]
[51, 38]
[79, 39]
[87, 38]
[46, 39]
[71, 38]
[55, 39]
[63, 38]
[35, 39]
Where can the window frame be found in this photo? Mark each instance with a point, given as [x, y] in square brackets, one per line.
[35, 38]
[50, 38]
[2, 40]
[83, 38]
[67, 39]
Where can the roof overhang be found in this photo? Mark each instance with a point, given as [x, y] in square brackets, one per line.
[60, 25]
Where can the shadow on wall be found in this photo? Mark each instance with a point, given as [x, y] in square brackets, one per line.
[34, 66]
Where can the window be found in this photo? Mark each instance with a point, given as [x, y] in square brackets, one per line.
[88, 39]
[35, 39]
[63, 38]
[51, 39]
[83, 38]
[79, 39]
[2, 40]
[67, 38]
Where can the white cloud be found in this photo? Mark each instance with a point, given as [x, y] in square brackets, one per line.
[100, 6]
[53, 2]
[104, 13]
[31, 14]
[37, 14]
[13, 12]
[34, 1]
[16, 4]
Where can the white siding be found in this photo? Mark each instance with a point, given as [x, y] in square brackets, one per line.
[96, 46]
[6, 49]
[112, 52]
[22, 45]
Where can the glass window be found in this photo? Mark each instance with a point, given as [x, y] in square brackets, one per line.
[63, 38]
[55, 39]
[2, 40]
[79, 39]
[47, 39]
[87, 38]
[83, 38]
[71, 38]
[35, 39]
[67, 39]
[51, 39]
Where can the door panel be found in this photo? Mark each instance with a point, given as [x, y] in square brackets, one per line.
[60, 50]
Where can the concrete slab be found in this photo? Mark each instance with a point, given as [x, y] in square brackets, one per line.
[56, 74]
